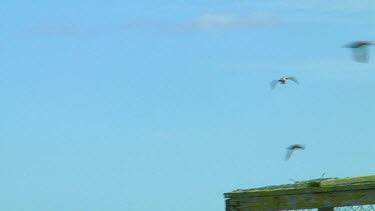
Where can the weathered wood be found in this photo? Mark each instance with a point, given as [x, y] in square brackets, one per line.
[321, 194]
[227, 206]
[284, 192]
[326, 209]
[326, 185]
[304, 201]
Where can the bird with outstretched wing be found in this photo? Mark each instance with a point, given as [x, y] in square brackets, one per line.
[360, 50]
[283, 81]
[291, 149]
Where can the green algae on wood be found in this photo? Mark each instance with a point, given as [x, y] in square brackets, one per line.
[318, 193]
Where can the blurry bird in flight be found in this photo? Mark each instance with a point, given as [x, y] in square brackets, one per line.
[283, 81]
[291, 149]
[360, 50]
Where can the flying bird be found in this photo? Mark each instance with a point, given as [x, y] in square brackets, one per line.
[291, 149]
[283, 81]
[360, 50]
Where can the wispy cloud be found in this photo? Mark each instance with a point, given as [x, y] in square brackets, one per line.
[347, 6]
[206, 22]
[218, 22]
[211, 22]
[318, 11]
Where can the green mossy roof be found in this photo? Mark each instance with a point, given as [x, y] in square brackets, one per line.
[315, 185]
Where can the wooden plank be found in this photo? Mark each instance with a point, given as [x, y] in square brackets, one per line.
[323, 185]
[306, 190]
[350, 181]
[326, 209]
[227, 206]
[302, 201]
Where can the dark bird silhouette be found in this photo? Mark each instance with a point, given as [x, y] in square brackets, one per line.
[291, 149]
[283, 81]
[360, 50]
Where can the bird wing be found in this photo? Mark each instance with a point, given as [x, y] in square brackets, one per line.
[361, 54]
[289, 153]
[297, 146]
[273, 84]
[293, 79]
[354, 45]
[291, 149]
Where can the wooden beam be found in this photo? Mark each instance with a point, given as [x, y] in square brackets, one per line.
[302, 201]
[326, 209]
[295, 191]
[313, 186]
[321, 194]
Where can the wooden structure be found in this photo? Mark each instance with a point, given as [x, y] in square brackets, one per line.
[320, 194]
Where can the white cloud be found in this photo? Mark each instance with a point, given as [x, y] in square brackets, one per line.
[218, 22]
[318, 11]
[348, 6]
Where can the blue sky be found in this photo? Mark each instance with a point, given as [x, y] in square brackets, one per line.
[140, 105]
